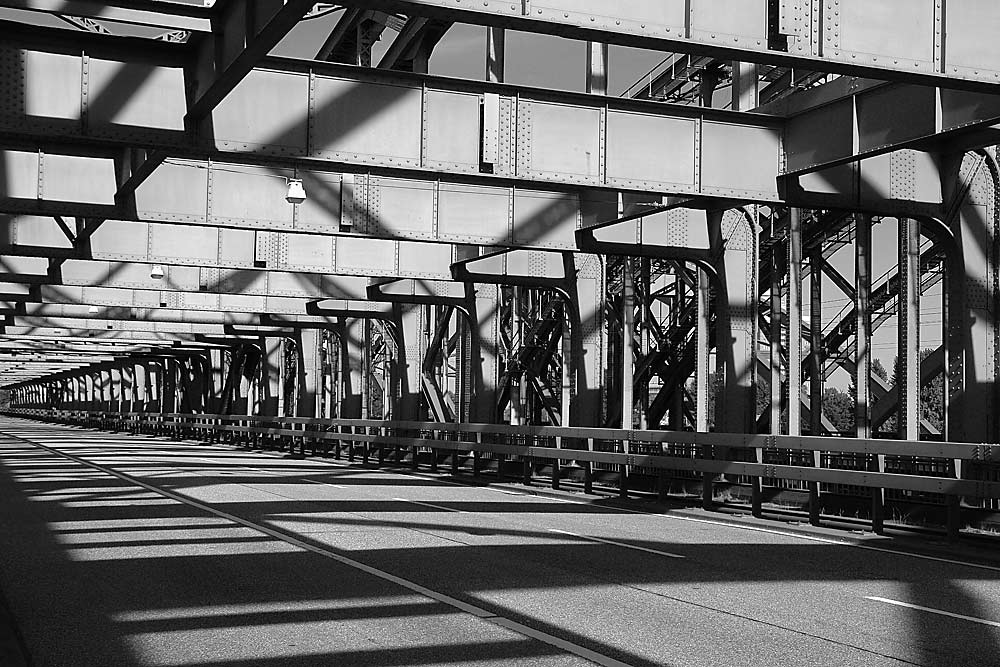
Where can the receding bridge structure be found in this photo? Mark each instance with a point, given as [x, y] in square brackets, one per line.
[666, 294]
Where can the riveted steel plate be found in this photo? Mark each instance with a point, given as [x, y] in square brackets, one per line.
[886, 32]
[659, 17]
[959, 108]
[51, 85]
[894, 114]
[546, 219]
[20, 169]
[738, 160]
[474, 213]
[250, 196]
[183, 244]
[265, 113]
[366, 122]
[309, 252]
[321, 209]
[565, 142]
[116, 239]
[451, 130]
[406, 208]
[174, 192]
[139, 95]
[237, 247]
[740, 23]
[834, 123]
[651, 152]
[978, 53]
[361, 254]
[72, 178]
[429, 260]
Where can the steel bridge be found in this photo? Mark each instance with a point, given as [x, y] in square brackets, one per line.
[670, 294]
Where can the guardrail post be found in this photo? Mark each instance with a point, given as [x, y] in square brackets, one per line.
[588, 470]
[878, 498]
[475, 455]
[556, 465]
[434, 453]
[415, 463]
[454, 455]
[526, 467]
[954, 508]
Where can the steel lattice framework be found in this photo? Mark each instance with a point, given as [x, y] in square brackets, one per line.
[695, 255]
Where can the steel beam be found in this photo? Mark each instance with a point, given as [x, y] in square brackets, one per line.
[243, 33]
[863, 37]
[793, 344]
[169, 16]
[856, 119]
[909, 329]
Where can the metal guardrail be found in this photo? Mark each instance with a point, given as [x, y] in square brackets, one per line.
[707, 454]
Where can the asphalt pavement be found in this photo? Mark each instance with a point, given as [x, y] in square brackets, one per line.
[132, 550]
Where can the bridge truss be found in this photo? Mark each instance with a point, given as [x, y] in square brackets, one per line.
[481, 252]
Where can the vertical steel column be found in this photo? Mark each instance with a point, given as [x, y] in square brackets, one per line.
[816, 341]
[127, 370]
[89, 391]
[168, 385]
[628, 343]
[627, 361]
[702, 353]
[496, 42]
[271, 374]
[517, 387]
[115, 385]
[745, 86]
[794, 309]
[816, 370]
[352, 373]
[909, 329]
[597, 68]
[645, 308]
[862, 356]
[777, 273]
[310, 372]
[677, 405]
[140, 391]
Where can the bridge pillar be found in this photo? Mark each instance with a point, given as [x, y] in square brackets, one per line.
[909, 329]
[272, 377]
[971, 294]
[310, 372]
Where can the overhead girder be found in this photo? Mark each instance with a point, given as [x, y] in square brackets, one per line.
[434, 126]
[235, 253]
[411, 49]
[351, 38]
[863, 37]
[309, 112]
[858, 118]
[152, 315]
[169, 16]
[242, 34]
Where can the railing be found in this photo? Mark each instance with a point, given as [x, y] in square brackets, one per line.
[941, 470]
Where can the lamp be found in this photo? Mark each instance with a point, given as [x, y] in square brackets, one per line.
[157, 272]
[296, 193]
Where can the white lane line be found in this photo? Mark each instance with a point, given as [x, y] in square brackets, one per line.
[473, 610]
[973, 619]
[270, 473]
[437, 507]
[710, 522]
[624, 545]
